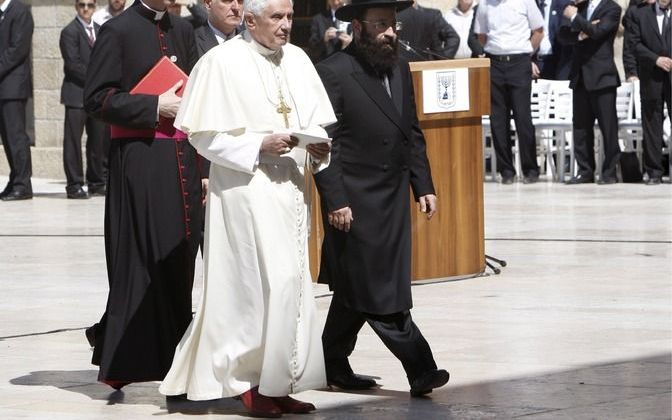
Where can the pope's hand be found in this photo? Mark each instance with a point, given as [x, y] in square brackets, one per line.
[278, 144]
[319, 150]
[169, 102]
[428, 205]
[341, 219]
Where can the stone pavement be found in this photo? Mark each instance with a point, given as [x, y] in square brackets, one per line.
[577, 326]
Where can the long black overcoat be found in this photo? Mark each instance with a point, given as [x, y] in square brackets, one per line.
[378, 152]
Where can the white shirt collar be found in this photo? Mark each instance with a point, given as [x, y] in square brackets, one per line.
[221, 36]
[5, 5]
[84, 24]
[468, 12]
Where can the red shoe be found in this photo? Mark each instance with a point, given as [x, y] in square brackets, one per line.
[290, 405]
[115, 384]
[259, 405]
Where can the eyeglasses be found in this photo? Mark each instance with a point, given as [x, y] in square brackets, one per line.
[86, 5]
[381, 25]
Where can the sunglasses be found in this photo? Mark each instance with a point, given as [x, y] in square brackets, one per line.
[86, 5]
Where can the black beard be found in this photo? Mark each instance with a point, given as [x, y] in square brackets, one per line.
[381, 55]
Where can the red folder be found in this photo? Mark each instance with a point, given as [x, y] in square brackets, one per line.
[159, 79]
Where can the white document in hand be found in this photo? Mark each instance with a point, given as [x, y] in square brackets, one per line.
[306, 139]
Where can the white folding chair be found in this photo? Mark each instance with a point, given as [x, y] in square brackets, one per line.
[488, 150]
[554, 129]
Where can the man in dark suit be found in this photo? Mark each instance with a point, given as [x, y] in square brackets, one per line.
[425, 35]
[16, 33]
[223, 23]
[591, 28]
[650, 34]
[378, 151]
[328, 34]
[76, 43]
[553, 59]
[629, 59]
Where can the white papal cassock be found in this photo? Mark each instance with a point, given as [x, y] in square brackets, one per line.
[256, 323]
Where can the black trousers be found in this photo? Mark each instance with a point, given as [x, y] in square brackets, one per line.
[510, 89]
[16, 143]
[397, 331]
[652, 126]
[587, 106]
[75, 122]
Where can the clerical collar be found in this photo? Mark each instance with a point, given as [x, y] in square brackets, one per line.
[156, 14]
[274, 55]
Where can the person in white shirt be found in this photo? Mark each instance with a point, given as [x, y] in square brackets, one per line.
[114, 8]
[510, 32]
[461, 18]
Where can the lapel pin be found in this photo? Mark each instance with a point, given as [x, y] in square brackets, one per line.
[173, 59]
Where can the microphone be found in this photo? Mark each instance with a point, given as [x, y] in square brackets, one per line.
[405, 45]
[436, 55]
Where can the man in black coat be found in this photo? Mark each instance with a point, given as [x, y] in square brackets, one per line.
[16, 33]
[223, 23]
[629, 59]
[328, 34]
[650, 33]
[153, 204]
[425, 35]
[76, 43]
[594, 78]
[378, 151]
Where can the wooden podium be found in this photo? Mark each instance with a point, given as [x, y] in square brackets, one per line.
[451, 244]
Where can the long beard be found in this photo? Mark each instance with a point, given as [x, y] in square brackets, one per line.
[381, 54]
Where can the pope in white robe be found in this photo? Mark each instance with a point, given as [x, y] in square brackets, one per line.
[256, 324]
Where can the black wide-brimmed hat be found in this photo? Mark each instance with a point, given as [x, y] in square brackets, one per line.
[347, 13]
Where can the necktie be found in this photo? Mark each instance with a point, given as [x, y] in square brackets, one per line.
[542, 7]
[89, 29]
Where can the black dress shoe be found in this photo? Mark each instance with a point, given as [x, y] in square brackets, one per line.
[97, 190]
[77, 194]
[15, 195]
[426, 383]
[5, 191]
[580, 179]
[607, 181]
[530, 179]
[507, 180]
[653, 181]
[350, 381]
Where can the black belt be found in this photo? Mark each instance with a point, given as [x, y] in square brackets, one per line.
[507, 57]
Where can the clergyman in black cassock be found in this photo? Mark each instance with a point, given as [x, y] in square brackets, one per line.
[378, 152]
[153, 204]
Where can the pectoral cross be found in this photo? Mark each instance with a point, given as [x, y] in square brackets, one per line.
[284, 110]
